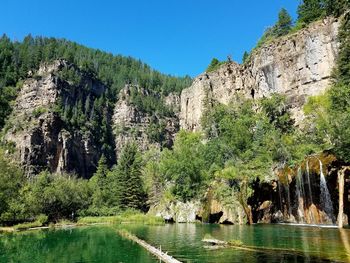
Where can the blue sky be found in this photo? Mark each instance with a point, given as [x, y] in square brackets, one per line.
[178, 37]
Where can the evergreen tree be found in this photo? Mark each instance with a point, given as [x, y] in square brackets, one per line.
[284, 24]
[310, 10]
[245, 57]
[336, 7]
[214, 65]
[126, 179]
[19, 58]
[100, 186]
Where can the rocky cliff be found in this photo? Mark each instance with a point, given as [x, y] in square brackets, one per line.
[42, 138]
[61, 121]
[148, 129]
[298, 65]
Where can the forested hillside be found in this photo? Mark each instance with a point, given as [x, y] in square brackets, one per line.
[241, 145]
[17, 59]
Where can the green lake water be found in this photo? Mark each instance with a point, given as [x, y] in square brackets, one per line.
[183, 241]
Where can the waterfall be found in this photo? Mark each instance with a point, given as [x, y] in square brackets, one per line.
[280, 195]
[300, 195]
[326, 201]
[289, 207]
[309, 181]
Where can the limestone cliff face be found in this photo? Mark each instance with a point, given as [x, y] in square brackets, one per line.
[40, 137]
[130, 123]
[298, 65]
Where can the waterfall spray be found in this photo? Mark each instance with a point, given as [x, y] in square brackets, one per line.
[326, 201]
[288, 196]
[309, 181]
[300, 195]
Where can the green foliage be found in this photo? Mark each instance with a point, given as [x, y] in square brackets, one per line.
[11, 182]
[284, 23]
[7, 95]
[282, 27]
[184, 165]
[126, 217]
[310, 10]
[154, 182]
[125, 179]
[214, 65]
[71, 75]
[245, 57]
[275, 109]
[100, 203]
[39, 221]
[150, 103]
[57, 196]
[329, 114]
[19, 58]
[156, 132]
[336, 7]
[339, 97]
[37, 112]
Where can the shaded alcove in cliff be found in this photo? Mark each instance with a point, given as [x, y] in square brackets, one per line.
[298, 196]
[215, 218]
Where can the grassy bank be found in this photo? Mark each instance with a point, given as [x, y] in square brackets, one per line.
[128, 217]
[124, 218]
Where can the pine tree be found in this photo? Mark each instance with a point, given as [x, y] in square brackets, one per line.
[284, 24]
[99, 184]
[336, 7]
[214, 65]
[245, 56]
[310, 10]
[128, 186]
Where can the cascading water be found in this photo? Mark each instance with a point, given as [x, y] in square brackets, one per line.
[280, 195]
[309, 181]
[300, 195]
[289, 207]
[325, 198]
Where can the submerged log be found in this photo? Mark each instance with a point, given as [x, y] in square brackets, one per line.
[237, 244]
[214, 242]
[155, 251]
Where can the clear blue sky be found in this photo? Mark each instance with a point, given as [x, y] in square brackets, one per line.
[174, 36]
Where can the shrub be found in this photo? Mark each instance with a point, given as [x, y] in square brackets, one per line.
[37, 112]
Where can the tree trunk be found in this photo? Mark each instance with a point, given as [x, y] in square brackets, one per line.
[242, 199]
[248, 212]
[341, 196]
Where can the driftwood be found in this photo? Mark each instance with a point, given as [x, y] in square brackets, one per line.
[217, 244]
[155, 251]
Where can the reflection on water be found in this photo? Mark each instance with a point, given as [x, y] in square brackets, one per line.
[93, 244]
[344, 235]
[303, 244]
[183, 241]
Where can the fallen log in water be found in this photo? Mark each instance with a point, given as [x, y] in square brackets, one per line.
[157, 252]
[236, 244]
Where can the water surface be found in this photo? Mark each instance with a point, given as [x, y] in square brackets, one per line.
[183, 241]
[305, 244]
[86, 244]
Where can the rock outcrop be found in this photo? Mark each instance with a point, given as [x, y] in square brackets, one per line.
[196, 211]
[298, 66]
[131, 123]
[176, 211]
[42, 140]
